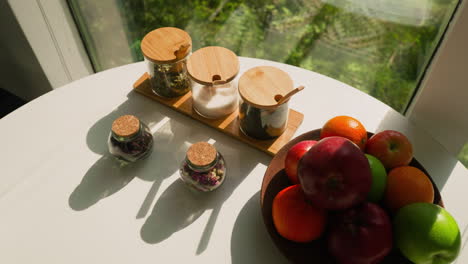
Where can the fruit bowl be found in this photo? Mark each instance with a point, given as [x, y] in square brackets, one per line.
[275, 180]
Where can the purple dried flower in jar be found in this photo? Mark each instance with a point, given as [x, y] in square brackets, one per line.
[203, 167]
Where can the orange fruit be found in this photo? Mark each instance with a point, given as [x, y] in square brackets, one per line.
[296, 219]
[347, 127]
[407, 185]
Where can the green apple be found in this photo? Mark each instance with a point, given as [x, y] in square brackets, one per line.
[426, 234]
[379, 179]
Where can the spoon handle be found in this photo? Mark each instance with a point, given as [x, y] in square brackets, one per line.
[282, 99]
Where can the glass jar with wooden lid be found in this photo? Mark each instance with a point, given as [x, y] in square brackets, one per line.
[265, 92]
[204, 168]
[130, 139]
[165, 51]
[214, 90]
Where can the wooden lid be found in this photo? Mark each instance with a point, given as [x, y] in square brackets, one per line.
[259, 86]
[166, 45]
[213, 64]
[201, 154]
[126, 126]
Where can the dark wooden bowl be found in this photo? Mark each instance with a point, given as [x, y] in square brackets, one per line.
[275, 180]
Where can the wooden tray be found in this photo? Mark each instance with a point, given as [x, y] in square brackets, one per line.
[228, 125]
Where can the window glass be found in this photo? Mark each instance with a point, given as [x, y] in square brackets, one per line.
[380, 47]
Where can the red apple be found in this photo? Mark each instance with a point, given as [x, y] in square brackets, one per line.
[335, 174]
[294, 218]
[360, 235]
[295, 153]
[391, 147]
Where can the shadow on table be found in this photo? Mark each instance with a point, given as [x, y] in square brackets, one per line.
[136, 105]
[250, 241]
[425, 154]
[171, 142]
[104, 178]
[179, 206]
[108, 176]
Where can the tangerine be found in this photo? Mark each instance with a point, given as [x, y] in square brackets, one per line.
[295, 218]
[347, 127]
[407, 185]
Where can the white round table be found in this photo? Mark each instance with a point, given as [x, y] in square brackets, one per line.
[63, 199]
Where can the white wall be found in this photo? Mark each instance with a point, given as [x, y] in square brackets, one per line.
[20, 72]
[441, 105]
[43, 39]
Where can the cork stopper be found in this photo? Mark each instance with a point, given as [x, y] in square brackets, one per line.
[126, 126]
[201, 154]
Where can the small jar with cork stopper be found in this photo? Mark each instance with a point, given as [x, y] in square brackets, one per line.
[204, 168]
[165, 51]
[130, 139]
[214, 91]
[265, 92]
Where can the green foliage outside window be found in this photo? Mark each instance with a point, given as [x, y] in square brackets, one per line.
[343, 39]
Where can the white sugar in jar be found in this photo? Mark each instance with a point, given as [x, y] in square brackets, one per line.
[215, 101]
[214, 89]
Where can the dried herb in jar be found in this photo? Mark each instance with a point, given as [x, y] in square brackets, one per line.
[166, 51]
[170, 80]
[130, 139]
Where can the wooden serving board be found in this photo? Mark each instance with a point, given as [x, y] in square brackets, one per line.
[228, 125]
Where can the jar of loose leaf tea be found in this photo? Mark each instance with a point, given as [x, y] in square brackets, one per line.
[265, 92]
[166, 50]
[204, 168]
[214, 91]
[130, 139]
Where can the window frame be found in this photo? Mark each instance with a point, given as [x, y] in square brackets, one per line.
[439, 104]
[54, 39]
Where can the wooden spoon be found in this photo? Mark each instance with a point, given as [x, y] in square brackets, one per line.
[281, 99]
